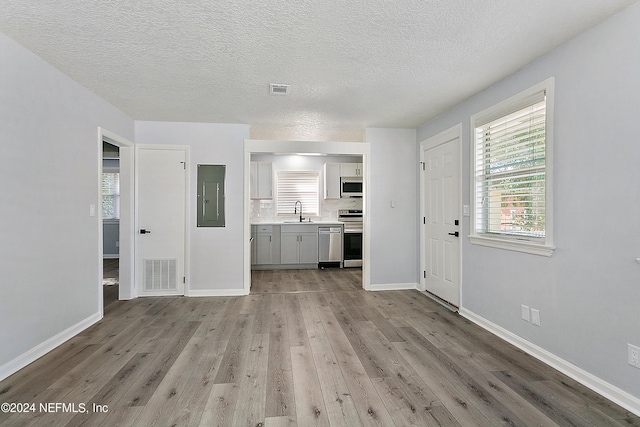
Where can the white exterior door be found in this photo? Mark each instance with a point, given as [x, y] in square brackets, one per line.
[441, 217]
[160, 219]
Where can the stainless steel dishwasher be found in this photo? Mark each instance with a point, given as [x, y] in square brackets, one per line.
[330, 246]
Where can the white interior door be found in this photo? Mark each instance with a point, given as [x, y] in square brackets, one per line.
[441, 218]
[161, 206]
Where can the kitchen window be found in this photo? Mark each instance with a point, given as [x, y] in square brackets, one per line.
[511, 179]
[292, 186]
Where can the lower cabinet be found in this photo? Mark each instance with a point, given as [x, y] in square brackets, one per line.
[284, 246]
[267, 245]
[299, 244]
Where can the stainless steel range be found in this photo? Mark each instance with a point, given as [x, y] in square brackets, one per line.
[352, 239]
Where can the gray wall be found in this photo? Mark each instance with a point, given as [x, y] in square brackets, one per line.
[216, 253]
[394, 231]
[588, 291]
[49, 250]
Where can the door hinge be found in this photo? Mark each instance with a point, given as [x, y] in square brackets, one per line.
[184, 279]
[184, 165]
[422, 164]
[424, 220]
[424, 274]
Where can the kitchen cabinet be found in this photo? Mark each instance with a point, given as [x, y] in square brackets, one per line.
[261, 180]
[350, 169]
[299, 244]
[332, 181]
[267, 244]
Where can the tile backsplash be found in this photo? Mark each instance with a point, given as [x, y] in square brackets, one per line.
[265, 210]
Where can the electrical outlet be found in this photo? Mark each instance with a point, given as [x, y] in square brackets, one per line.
[535, 317]
[525, 312]
[634, 355]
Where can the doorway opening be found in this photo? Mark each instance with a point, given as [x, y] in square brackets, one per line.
[302, 156]
[305, 189]
[115, 224]
[110, 221]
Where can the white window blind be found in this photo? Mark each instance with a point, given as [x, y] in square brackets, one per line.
[297, 185]
[111, 195]
[510, 171]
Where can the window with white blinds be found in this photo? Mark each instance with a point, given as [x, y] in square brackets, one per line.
[110, 195]
[511, 164]
[292, 186]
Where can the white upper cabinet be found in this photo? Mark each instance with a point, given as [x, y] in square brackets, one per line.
[350, 169]
[261, 180]
[332, 180]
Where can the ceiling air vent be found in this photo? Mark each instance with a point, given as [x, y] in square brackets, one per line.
[275, 89]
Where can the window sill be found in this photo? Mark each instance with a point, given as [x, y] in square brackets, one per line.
[512, 245]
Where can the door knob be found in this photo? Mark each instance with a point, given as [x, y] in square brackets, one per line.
[454, 234]
[143, 231]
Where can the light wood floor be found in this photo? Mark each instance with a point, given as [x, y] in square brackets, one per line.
[307, 348]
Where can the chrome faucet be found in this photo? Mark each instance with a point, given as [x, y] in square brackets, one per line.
[295, 209]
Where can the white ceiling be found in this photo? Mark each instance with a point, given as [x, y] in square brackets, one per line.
[350, 64]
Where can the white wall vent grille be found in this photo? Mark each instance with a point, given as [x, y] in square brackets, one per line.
[276, 89]
[159, 274]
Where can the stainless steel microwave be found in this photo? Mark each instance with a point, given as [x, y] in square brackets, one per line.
[350, 187]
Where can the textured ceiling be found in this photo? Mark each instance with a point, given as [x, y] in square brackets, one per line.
[350, 64]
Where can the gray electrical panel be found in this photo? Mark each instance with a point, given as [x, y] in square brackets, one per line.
[211, 195]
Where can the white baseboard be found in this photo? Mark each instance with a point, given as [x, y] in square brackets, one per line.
[40, 350]
[392, 287]
[611, 392]
[216, 292]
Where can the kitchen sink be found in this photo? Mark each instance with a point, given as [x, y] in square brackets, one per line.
[298, 222]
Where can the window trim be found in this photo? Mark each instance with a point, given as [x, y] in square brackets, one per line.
[537, 246]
